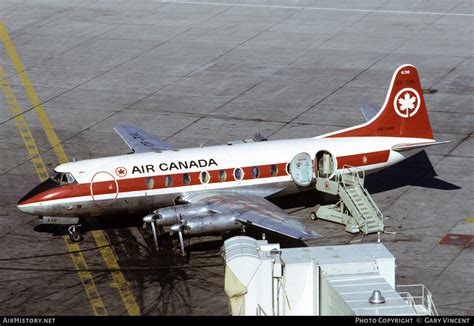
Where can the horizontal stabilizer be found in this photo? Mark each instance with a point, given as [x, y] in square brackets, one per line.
[140, 141]
[407, 147]
[369, 111]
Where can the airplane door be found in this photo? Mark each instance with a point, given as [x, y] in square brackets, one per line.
[104, 188]
[325, 164]
[301, 169]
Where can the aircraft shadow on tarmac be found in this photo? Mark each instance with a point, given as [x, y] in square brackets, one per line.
[415, 171]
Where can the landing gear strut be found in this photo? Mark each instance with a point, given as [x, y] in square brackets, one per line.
[74, 234]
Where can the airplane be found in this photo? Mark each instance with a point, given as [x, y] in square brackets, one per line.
[214, 189]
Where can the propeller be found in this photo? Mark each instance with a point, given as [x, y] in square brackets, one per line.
[152, 218]
[179, 228]
[181, 242]
[157, 221]
[156, 229]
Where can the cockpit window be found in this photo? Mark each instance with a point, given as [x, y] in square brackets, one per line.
[56, 177]
[63, 178]
[70, 178]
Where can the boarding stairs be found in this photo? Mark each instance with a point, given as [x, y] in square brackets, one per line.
[356, 209]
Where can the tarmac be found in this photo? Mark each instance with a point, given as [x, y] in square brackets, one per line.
[205, 72]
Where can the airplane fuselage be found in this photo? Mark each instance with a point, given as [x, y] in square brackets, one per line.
[147, 181]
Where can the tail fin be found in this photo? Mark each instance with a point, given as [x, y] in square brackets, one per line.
[403, 113]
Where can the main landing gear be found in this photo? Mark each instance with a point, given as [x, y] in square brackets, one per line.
[74, 233]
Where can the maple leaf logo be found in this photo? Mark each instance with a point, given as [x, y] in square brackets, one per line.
[121, 171]
[407, 103]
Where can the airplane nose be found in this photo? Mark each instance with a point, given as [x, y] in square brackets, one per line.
[25, 208]
[27, 204]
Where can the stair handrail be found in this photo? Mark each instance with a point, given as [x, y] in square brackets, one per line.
[352, 171]
[359, 177]
[378, 212]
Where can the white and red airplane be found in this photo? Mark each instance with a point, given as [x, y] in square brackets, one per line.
[219, 188]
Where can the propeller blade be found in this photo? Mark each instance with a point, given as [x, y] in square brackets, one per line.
[181, 242]
[160, 232]
[153, 229]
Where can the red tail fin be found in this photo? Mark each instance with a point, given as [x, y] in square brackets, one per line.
[403, 113]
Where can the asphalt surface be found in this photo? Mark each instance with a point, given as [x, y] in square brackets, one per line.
[202, 73]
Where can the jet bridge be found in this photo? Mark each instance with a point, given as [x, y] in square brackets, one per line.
[359, 279]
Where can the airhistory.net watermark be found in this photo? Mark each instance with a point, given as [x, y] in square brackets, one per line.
[27, 320]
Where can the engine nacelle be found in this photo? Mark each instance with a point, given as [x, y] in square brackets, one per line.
[207, 224]
[171, 215]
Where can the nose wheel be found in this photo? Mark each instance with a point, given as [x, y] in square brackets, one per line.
[74, 234]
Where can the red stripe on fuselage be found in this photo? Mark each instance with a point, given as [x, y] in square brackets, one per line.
[153, 183]
[158, 182]
[363, 159]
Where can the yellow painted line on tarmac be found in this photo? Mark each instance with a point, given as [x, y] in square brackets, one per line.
[23, 127]
[119, 281]
[469, 220]
[30, 91]
[38, 163]
[86, 277]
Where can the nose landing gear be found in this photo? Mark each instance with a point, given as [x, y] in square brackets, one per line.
[74, 233]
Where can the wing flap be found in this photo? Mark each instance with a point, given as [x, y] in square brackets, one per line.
[140, 141]
[289, 226]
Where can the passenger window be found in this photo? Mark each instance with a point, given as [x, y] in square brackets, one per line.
[273, 170]
[186, 179]
[204, 177]
[222, 176]
[150, 183]
[238, 174]
[255, 172]
[168, 181]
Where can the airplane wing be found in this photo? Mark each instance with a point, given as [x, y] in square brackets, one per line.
[259, 212]
[140, 141]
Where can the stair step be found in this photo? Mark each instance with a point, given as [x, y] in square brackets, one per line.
[360, 205]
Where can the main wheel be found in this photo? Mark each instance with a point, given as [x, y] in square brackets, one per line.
[76, 236]
[313, 216]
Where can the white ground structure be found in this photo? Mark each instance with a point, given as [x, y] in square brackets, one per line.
[262, 279]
